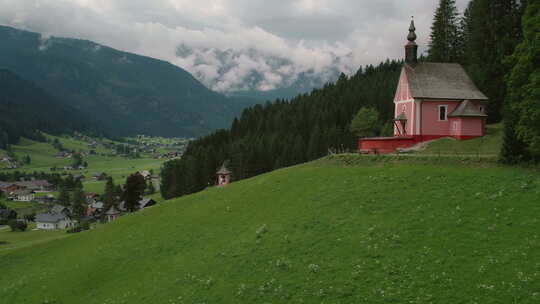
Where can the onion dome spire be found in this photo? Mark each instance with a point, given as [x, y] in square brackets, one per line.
[412, 35]
[411, 49]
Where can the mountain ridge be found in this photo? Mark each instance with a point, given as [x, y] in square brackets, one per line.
[124, 93]
[25, 109]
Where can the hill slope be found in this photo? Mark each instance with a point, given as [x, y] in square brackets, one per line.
[394, 232]
[24, 108]
[126, 93]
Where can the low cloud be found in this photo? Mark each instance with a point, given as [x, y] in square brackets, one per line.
[236, 45]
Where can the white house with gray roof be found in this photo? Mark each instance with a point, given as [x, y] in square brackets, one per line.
[57, 218]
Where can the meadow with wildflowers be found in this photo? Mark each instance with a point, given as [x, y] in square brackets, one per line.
[345, 229]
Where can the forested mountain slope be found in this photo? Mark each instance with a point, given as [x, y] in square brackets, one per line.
[25, 108]
[125, 93]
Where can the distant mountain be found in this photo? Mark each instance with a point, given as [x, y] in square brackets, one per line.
[25, 108]
[125, 93]
[257, 74]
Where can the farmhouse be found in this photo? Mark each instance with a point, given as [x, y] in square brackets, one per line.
[116, 211]
[22, 196]
[57, 218]
[36, 185]
[432, 100]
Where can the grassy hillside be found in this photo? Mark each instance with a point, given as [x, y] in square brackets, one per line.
[325, 232]
[489, 145]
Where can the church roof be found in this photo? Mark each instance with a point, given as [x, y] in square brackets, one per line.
[466, 109]
[112, 211]
[223, 170]
[441, 81]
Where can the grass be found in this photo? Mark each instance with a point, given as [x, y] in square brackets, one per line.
[341, 230]
[13, 241]
[489, 145]
[24, 208]
[43, 158]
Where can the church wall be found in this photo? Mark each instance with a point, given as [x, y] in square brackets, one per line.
[431, 125]
[408, 108]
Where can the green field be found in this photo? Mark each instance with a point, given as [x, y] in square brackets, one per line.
[487, 146]
[23, 208]
[43, 158]
[342, 230]
[13, 241]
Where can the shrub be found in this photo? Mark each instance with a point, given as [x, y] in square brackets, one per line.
[74, 229]
[16, 225]
[85, 225]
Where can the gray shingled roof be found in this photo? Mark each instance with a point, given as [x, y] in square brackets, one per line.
[112, 211]
[441, 81]
[223, 170]
[466, 109]
[50, 217]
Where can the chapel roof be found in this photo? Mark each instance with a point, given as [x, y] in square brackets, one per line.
[466, 109]
[432, 80]
[223, 170]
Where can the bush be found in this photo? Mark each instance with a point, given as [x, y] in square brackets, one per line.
[74, 229]
[85, 225]
[16, 225]
[30, 217]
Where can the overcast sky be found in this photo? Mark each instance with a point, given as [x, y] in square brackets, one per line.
[312, 35]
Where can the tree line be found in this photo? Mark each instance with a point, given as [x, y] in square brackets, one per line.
[288, 132]
[481, 39]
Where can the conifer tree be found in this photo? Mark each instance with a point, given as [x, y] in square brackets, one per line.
[108, 195]
[522, 131]
[78, 204]
[494, 30]
[63, 196]
[133, 191]
[444, 43]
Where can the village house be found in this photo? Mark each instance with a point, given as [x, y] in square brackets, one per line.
[9, 187]
[146, 174]
[36, 185]
[99, 176]
[433, 100]
[22, 195]
[94, 208]
[116, 211]
[57, 218]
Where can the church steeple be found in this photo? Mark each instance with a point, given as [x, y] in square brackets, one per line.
[411, 49]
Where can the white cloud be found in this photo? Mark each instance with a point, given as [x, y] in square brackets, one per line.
[236, 44]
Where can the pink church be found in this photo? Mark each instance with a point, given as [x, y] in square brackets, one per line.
[432, 100]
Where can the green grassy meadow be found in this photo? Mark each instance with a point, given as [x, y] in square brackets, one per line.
[23, 208]
[348, 229]
[43, 158]
[487, 146]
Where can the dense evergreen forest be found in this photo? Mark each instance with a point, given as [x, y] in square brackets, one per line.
[26, 110]
[522, 111]
[285, 133]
